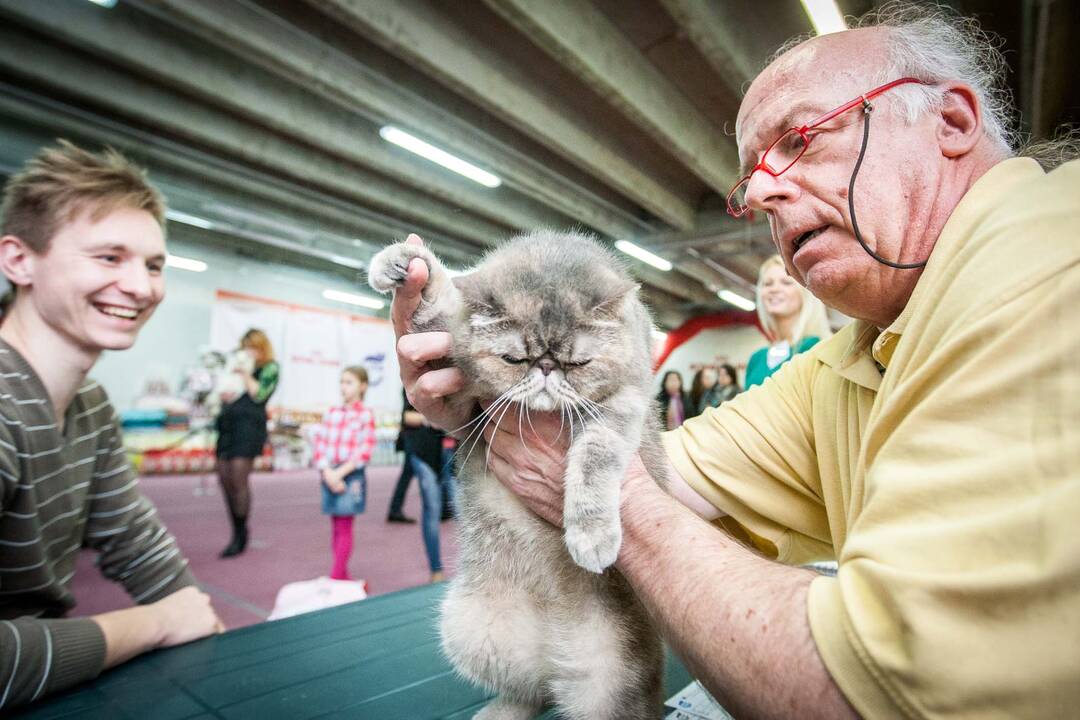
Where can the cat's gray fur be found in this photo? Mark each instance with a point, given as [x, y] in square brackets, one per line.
[523, 616]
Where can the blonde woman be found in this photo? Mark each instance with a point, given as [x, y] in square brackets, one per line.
[241, 430]
[792, 318]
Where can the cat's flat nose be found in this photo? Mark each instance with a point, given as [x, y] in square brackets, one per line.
[546, 365]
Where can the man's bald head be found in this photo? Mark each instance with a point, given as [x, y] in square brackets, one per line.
[931, 140]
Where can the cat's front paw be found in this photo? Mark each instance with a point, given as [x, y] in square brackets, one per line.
[390, 265]
[594, 543]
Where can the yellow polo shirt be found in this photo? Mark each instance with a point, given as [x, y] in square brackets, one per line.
[948, 488]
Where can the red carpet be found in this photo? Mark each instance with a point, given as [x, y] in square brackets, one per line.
[290, 540]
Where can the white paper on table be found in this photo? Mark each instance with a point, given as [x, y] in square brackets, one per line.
[694, 702]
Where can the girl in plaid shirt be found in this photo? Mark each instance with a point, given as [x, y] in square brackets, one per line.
[343, 445]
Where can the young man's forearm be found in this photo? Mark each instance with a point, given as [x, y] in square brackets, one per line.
[737, 620]
[129, 632]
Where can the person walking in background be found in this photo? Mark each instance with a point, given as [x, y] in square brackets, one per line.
[396, 513]
[343, 446]
[672, 400]
[792, 318]
[241, 428]
[423, 450]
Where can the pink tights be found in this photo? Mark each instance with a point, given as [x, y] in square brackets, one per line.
[342, 545]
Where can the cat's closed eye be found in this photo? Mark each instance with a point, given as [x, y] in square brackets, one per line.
[513, 360]
[579, 363]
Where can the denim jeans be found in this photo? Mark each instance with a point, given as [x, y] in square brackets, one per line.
[448, 481]
[431, 499]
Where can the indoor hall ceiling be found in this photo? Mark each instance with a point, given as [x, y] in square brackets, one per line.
[261, 118]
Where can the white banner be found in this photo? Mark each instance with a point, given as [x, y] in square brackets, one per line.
[312, 346]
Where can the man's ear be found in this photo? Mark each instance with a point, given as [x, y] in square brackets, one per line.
[16, 261]
[961, 125]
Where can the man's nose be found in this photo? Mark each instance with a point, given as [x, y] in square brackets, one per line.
[765, 191]
[136, 281]
[546, 365]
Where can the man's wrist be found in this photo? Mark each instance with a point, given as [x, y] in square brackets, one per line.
[154, 625]
[641, 500]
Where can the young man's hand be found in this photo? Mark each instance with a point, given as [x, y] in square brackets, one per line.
[184, 616]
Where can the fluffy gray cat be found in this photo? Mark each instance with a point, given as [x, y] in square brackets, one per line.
[550, 321]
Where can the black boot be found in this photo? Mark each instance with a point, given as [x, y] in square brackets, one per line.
[239, 538]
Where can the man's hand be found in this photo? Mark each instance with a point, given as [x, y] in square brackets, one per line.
[184, 616]
[528, 456]
[426, 388]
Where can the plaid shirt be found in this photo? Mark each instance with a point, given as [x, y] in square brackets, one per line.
[347, 433]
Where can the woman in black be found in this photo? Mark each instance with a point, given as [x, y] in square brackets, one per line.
[241, 430]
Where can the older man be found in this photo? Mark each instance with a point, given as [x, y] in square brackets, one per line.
[931, 446]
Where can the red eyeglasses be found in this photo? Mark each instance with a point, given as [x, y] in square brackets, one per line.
[790, 146]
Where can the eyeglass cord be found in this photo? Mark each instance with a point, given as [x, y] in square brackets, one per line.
[867, 108]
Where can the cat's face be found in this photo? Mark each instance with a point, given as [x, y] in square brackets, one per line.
[547, 349]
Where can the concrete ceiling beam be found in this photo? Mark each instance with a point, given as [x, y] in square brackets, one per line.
[151, 49]
[720, 32]
[249, 31]
[157, 107]
[416, 33]
[577, 35]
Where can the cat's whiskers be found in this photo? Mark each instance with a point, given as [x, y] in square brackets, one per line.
[484, 413]
[579, 402]
[524, 410]
[487, 458]
[478, 432]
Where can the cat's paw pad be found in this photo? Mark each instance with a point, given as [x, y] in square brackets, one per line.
[594, 545]
[390, 266]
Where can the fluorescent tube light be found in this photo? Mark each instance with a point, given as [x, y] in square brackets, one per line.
[439, 157]
[353, 299]
[183, 217]
[104, 3]
[824, 16]
[737, 300]
[643, 255]
[184, 263]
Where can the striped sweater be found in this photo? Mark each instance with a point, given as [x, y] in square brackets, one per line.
[63, 490]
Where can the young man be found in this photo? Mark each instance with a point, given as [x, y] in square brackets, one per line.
[82, 244]
[931, 446]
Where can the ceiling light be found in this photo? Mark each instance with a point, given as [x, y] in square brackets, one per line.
[346, 262]
[737, 300]
[183, 217]
[104, 3]
[824, 16]
[184, 263]
[437, 156]
[643, 255]
[353, 299]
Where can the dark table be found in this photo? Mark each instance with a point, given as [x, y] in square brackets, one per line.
[377, 658]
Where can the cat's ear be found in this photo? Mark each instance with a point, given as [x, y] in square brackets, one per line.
[483, 310]
[613, 307]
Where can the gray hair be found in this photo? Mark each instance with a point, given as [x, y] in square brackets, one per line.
[935, 44]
